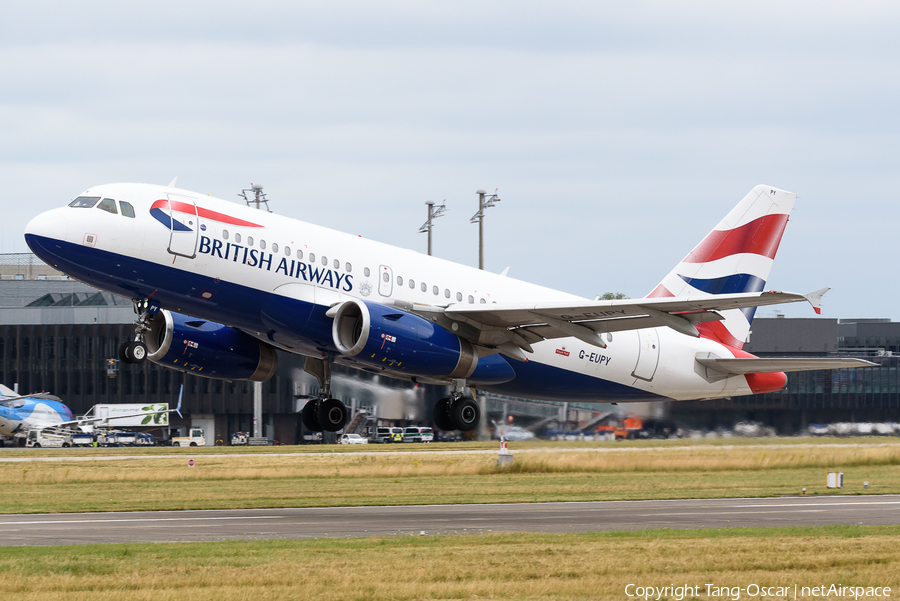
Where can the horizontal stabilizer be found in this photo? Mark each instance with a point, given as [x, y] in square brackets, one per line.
[742, 366]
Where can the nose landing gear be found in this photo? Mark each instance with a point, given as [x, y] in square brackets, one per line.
[135, 351]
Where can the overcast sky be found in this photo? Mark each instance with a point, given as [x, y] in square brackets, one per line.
[618, 134]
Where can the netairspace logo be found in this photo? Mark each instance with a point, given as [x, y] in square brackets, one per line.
[755, 591]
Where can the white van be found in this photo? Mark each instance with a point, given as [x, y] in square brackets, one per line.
[418, 434]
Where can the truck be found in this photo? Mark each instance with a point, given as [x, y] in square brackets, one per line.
[195, 439]
[39, 438]
[117, 439]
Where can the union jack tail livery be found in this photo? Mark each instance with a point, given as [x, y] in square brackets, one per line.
[735, 257]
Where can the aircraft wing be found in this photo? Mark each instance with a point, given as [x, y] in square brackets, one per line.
[510, 326]
[741, 366]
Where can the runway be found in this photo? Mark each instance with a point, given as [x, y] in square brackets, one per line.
[346, 522]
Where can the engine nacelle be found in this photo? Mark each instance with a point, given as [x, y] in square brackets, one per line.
[396, 340]
[209, 349]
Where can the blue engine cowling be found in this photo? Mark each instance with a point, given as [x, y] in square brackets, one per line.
[209, 349]
[400, 341]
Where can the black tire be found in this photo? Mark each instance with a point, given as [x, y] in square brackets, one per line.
[136, 352]
[465, 414]
[441, 415]
[176, 444]
[332, 415]
[37, 445]
[123, 356]
[310, 416]
[65, 445]
[193, 444]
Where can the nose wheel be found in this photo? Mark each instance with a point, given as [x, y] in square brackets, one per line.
[135, 351]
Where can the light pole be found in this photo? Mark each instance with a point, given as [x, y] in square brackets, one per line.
[433, 213]
[485, 201]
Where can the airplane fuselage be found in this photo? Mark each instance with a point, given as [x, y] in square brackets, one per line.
[275, 278]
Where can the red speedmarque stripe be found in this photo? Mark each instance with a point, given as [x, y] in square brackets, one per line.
[759, 237]
[184, 207]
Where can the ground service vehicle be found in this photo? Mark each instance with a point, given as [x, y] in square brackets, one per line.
[385, 434]
[38, 438]
[418, 434]
[195, 439]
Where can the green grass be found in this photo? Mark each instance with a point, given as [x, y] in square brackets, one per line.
[489, 566]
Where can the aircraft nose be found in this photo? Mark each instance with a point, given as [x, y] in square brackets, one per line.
[45, 229]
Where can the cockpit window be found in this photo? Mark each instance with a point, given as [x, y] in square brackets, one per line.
[108, 205]
[127, 209]
[84, 202]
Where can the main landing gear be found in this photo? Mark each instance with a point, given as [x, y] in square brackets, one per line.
[457, 412]
[135, 351]
[322, 412]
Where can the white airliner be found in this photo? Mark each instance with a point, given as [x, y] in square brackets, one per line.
[218, 286]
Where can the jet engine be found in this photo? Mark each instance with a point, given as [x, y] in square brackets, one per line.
[209, 349]
[390, 338]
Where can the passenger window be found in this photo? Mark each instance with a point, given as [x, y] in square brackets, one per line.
[436, 290]
[424, 287]
[399, 280]
[287, 251]
[108, 205]
[446, 293]
[299, 254]
[481, 301]
[459, 296]
[127, 209]
[274, 247]
[312, 257]
[225, 234]
[412, 284]
[325, 261]
[237, 237]
[337, 264]
[348, 267]
[84, 202]
[249, 240]
[471, 300]
[262, 244]
[366, 272]
[385, 277]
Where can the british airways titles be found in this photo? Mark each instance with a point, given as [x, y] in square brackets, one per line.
[252, 257]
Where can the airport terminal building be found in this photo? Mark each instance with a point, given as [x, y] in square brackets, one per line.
[58, 335]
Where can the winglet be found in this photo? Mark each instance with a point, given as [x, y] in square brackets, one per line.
[815, 299]
[178, 408]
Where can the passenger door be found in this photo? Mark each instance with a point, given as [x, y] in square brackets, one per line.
[185, 226]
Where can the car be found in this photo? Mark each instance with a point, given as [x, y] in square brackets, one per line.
[352, 439]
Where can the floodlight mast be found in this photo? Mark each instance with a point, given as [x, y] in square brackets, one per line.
[259, 197]
[433, 213]
[485, 201]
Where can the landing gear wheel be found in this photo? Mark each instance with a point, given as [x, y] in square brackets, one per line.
[122, 356]
[441, 415]
[465, 414]
[136, 352]
[332, 415]
[310, 416]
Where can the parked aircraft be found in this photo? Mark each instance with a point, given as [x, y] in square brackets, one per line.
[21, 413]
[217, 287]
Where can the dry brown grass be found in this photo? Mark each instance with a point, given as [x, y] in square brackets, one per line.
[521, 566]
[358, 479]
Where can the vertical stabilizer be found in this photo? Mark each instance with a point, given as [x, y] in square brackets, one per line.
[735, 257]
